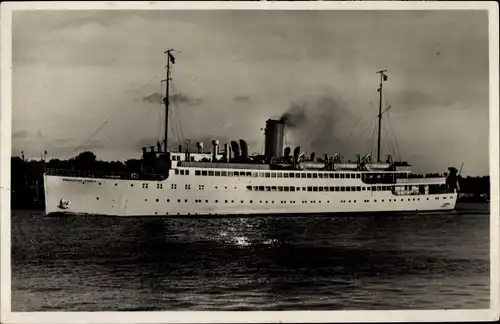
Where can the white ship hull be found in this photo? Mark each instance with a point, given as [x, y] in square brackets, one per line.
[196, 195]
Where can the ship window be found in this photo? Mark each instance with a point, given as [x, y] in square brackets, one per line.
[330, 175]
[337, 188]
[320, 188]
[187, 172]
[353, 188]
[211, 173]
[292, 175]
[178, 200]
[286, 188]
[268, 188]
[249, 188]
[279, 175]
[216, 201]
[157, 200]
[236, 173]
[273, 188]
[249, 174]
[261, 174]
[203, 173]
[192, 159]
[304, 189]
[197, 172]
[223, 173]
[255, 174]
[176, 171]
[326, 188]
[261, 188]
[301, 175]
[378, 188]
[217, 173]
[285, 175]
[315, 189]
[182, 172]
[268, 174]
[309, 188]
[347, 188]
[201, 187]
[255, 188]
[280, 188]
[342, 188]
[342, 176]
[332, 188]
[292, 188]
[336, 175]
[229, 173]
[315, 175]
[297, 189]
[347, 176]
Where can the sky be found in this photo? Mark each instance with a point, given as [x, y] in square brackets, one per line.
[90, 80]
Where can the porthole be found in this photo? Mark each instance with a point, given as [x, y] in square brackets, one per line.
[100, 183]
[116, 184]
[157, 200]
[178, 200]
[146, 199]
[97, 198]
[131, 184]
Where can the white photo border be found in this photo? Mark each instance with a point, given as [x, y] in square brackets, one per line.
[7, 316]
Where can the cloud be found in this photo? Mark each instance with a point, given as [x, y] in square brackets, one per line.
[179, 98]
[155, 97]
[20, 134]
[241, 99]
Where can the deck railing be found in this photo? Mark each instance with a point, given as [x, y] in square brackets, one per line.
[104, 174]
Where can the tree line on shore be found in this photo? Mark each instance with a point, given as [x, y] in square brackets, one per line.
[27, 191]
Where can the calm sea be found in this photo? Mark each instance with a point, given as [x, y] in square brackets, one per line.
[414, 261]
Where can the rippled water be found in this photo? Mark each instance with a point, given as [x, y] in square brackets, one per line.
[413, 261]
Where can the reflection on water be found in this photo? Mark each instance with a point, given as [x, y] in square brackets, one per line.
[417, 261]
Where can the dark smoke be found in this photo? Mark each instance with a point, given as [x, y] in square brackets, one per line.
[323, 125]
[295, 116]
[180, 98]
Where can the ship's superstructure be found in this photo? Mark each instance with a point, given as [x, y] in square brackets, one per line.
[228, 181]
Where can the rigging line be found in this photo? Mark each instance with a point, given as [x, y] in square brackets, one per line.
[352, 131]
[372, 140]
[395, 138]
[148, 83]
[178, 112]
[388, 144]
[91, 136]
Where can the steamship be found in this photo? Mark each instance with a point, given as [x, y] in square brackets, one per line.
[226, 180]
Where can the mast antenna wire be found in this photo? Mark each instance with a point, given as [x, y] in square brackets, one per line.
[113, 114]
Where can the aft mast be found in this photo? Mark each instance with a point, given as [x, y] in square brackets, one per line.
[383, 77]
[166, 100]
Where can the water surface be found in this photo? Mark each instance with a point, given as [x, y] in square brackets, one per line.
[362, 262]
